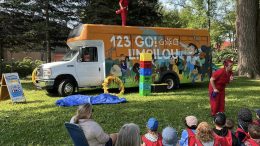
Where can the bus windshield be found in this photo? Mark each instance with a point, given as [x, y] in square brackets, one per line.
[69, 55]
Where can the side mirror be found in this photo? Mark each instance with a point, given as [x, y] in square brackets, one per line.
[79, 58]
[80, 51]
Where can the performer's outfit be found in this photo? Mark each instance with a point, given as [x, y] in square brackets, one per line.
[123, 11]
[217, 100]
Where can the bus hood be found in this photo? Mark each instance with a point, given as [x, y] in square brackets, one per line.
[53, 64]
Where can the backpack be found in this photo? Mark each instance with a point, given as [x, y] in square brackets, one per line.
[192, 141]
[198, 143]
[191, 137]
[224, 141]
[252, 142]
[245, 133]
[150, 143]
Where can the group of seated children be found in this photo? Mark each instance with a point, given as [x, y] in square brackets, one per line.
[247, 133]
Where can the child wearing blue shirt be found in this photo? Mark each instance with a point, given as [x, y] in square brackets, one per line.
[191, 123]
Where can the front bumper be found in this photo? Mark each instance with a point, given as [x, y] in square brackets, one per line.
[44, 84]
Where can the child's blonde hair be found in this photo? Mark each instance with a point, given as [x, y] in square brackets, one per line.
[83, 112]
[204, 132]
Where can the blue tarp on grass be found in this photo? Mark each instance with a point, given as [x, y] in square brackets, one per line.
[74, 100]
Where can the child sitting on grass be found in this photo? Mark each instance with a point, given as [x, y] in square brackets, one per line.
[191, 123]
[221, 133]
[204, 135]
[169, 137]
[230, 125]
[254, 132]
[257, 121]
[244, 119]
[152, 137]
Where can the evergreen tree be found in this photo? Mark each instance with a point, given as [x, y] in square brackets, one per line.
[24, 22]
[100, 12]
[140, 12]
[144, 12]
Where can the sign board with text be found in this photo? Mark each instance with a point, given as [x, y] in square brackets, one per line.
[11, 88]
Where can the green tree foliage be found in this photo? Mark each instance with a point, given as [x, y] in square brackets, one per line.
[228, 53]
[217, 16]
[223, 25]
[193, 13]
[171, 18]
[22, 22]
[140, 12]
[144, 12]
[23, 67]
[100, 12]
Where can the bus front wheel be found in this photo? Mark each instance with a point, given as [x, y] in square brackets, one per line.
[66, 87]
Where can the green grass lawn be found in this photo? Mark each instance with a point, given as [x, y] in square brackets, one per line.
[40, 121]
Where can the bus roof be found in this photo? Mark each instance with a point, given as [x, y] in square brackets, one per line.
[81, 32]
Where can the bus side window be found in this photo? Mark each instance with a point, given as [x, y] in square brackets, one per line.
[89, 54]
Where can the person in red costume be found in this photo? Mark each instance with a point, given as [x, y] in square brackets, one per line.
[123, 10]
[218, 82]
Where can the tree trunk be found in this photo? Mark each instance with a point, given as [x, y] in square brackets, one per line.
[246, 25]
[209, 14]
[258, 36]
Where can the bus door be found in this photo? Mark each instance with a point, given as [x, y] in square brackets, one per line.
[91, 65]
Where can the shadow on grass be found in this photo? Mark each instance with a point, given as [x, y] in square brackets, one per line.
[34, 101]
[99, 90]
[95, 91]
[194, 86]
[243, 81]
[28, 86]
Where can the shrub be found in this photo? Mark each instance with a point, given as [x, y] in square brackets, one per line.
[24, 67]
[228, 53]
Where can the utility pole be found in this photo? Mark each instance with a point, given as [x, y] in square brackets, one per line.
[1, 56]
[209, 13]
[47, 36]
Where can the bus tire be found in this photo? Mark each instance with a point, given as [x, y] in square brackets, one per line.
[172, 82]
[66, 87]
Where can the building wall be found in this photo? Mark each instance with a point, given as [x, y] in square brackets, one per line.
[20, 55]
[34, 55]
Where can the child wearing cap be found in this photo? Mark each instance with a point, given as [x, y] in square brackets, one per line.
[152, 137]
[244, 119]
[169, 137]
[257, 120]
[191, 123]
[221, 133]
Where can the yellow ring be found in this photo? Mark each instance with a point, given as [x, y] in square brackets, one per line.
[108, 80]
[34, 76]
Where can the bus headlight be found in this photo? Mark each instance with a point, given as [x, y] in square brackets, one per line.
[46, 73]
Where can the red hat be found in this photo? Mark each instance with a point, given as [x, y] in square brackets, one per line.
[227, 61]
